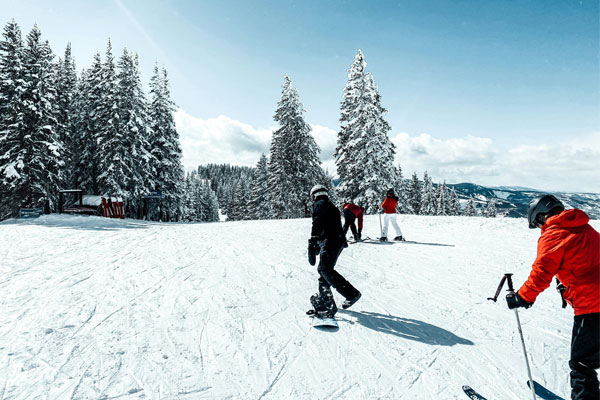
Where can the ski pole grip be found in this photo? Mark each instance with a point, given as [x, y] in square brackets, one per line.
[509, 281]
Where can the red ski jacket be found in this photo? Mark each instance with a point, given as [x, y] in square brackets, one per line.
[570, 249]
[356, 210]
[389, 204]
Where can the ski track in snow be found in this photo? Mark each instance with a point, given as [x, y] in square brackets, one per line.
[93, 308]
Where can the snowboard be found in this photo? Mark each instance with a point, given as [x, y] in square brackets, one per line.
[325, 323]
[544, 393]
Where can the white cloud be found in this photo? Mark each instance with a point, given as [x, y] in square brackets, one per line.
[225, 140]
[220, 140]
[569, 165]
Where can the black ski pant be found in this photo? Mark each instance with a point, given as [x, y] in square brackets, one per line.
[329, 277]
[585, 357]
[349, 219]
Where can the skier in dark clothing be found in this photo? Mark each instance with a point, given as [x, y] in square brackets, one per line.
[351, 213]
[328, 240]
[568, 248]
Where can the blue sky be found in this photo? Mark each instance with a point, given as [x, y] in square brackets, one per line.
[506, 79]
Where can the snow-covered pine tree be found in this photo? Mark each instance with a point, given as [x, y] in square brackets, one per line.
[470, 210]
[259, 207]
[238, 208]
[86, 161]
[441, 197]
[298, 158]
[364, 154]
[66, 88]
[280, 187]
[134, 128]
[209, 205]
[40, 148]
[454, 204]
[331, 190]
[164, 143]
[200, 201]
[414, 194]
[12, 125]
[428, 201]
[401, 191]
[112, 146]
[491, 212]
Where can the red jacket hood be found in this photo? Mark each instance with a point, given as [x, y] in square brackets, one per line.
[567, 219]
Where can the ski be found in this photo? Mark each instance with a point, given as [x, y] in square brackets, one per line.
[472, 394]
[543, 393]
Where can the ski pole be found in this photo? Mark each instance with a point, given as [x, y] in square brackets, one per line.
[380, 227]
[512, 291]
[508, 277]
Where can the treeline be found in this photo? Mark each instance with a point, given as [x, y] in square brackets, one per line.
[95, 130]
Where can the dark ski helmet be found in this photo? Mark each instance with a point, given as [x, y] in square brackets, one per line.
[542, 205]
[390, 191]
[318, 190]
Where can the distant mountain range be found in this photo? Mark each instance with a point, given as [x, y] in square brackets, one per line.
[512, 201]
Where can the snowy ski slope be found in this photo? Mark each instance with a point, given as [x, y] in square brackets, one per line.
[92, 308]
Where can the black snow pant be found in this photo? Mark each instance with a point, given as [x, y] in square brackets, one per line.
[585, 357]
[329, 277]
[349, 219]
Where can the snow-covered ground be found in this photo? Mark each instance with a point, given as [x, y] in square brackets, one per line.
[92, 308]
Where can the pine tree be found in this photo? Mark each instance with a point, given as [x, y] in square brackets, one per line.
[238, 208]
[442, 202]
[295, 165]
[491, 212]
[414, 194]
[364, 154]
[134, 128]
[428, 201]
[259, 191]
[164, 143]
[12, 125]
[331, 190]
[66, 88]
[401, 191]
[112, 145]
[454, 204]
[470, 210]
[200, 201]
[40, 150]
[86, 161]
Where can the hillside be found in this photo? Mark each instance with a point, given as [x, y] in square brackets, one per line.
[512, 201]
[99, 309]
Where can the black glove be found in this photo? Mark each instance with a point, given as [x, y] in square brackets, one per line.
[515, 301]
[313, 250]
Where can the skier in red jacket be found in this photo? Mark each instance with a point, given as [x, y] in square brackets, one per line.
[568, 248]
[389, 215]
[351, 213]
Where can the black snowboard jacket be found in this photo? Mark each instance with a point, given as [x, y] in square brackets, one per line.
[327, 225]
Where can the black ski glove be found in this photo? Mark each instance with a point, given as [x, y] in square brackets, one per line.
[313, 250]
[515, 301]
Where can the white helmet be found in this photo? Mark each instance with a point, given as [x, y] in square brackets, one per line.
[316, 191]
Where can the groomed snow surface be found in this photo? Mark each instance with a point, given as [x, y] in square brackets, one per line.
[92, 308]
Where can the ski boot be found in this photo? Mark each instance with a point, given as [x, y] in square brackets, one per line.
[349, 302]
[399, 239]
[383, 239]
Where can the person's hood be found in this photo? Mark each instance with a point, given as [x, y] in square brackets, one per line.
[567, 219]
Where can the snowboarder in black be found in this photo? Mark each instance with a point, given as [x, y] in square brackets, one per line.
[328, 240]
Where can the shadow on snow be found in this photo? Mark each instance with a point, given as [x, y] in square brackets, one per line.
[406, 328]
